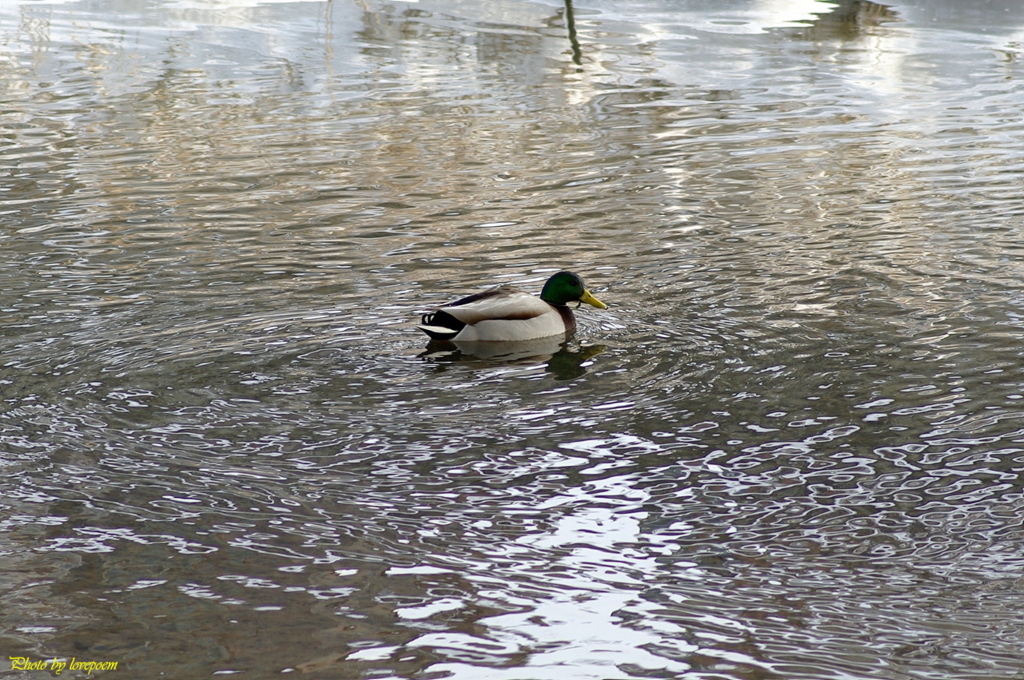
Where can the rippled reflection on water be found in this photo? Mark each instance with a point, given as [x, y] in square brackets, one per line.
[791, 448]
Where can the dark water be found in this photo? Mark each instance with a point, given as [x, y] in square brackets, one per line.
[791, 448]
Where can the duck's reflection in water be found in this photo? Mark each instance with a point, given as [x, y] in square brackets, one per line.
[564, 359]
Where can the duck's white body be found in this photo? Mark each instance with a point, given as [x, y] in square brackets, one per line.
[502, 315]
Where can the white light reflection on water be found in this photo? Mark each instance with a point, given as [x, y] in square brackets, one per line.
[577, 622]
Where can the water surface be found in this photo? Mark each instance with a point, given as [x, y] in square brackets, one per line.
[791, 448]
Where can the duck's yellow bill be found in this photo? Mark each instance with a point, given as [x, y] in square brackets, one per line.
[591, 300]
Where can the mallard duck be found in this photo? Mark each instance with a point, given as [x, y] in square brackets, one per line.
[507, 314]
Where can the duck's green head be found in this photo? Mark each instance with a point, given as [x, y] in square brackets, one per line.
[566, 287]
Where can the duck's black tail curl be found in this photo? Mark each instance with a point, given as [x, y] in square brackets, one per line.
[440, 325]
